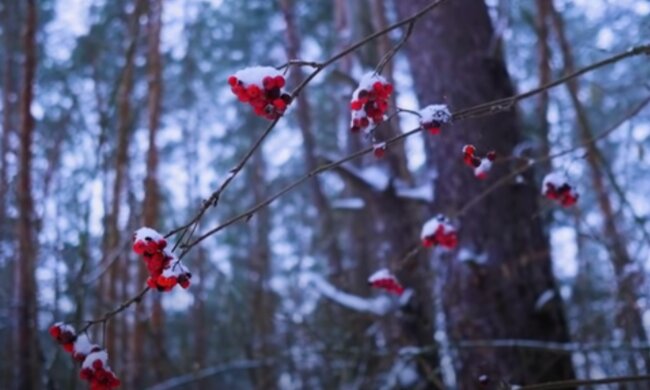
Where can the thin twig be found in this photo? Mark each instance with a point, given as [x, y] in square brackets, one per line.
[389, 56]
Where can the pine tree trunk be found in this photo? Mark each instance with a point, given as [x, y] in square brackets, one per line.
[450, 61]
[117, 272]
[151, 210]
[27, 359]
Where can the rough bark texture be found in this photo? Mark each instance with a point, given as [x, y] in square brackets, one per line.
[629, 317]
[27, 358]
[449, 57]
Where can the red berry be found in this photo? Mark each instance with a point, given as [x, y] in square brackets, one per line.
[356, 105]
[379, 151]
[268, 82]
[280, 104]
[253, 91]
[279, 81]
[232, 80]
[491, 155]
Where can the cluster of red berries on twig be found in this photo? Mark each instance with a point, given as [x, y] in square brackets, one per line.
[438, 231]
[385, 280]
[481, 165]
[94, 360]
[433, 116]
[369, 102]
[165, 270]
[263, 88]
[556, 187]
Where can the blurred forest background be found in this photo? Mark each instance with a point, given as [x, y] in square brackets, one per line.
[117, 114]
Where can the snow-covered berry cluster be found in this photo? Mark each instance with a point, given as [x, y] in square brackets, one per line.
[481, 165]
[165, 270]
[433, 116]
[438, 231]
[94, 360]
[263, 88]
[385, 280]
[369, 102]
[556, 187]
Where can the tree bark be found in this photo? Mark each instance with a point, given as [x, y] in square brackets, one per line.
[117, 273]
[630, 316]
[263, 299]
[327, 232]
[27, 359]
[150, 209]
[495, 298]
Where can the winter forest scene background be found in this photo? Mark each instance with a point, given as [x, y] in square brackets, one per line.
[327, 194]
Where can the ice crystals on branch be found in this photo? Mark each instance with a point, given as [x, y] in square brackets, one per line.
[94, 360]
[369, 102]
[481, 165]
[165, 270]
[433, 116]
[438, 231]
[383, 279]
[556, 187]
[262, 87]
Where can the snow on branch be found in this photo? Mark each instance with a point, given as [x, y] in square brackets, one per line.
[379, 306]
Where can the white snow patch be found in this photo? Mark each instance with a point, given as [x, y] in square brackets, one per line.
[256, 74]
[349, 204]
[543, 299]
[380, 305]
[435, 113]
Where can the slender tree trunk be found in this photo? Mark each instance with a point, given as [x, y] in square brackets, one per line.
[117, 272]
[151, 206]
[449, 57]
[630, 315]
[544, 67]
[263, 298]
[327, 231]
[27, 359]
[10, 17]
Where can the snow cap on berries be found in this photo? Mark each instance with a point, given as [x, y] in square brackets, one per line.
[438, 231]
[556, 187]
[369, 102]
[484, 167]
[148, 241]
[262, 87]
[433, 116]
[383, 279]
[64, 334]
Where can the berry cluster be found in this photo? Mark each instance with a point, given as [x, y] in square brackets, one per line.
[438, 231]
[262, 88]
[433, 116]
[384, 280]
[94, 366]
[165, 271]
[369, 102]
[481, 165]
[556, 187]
